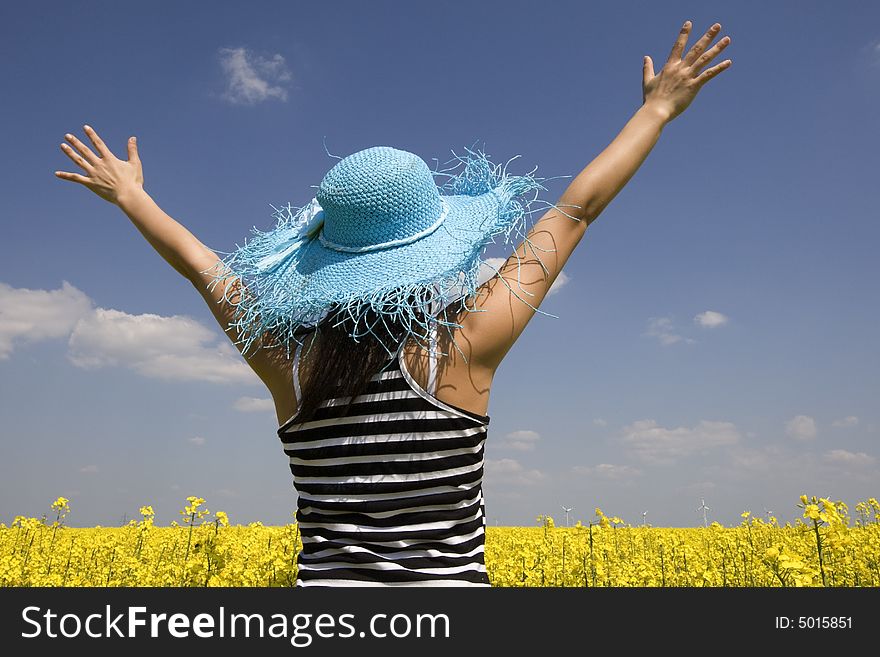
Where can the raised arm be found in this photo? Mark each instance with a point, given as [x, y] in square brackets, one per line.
[121, 182]
[490, 335]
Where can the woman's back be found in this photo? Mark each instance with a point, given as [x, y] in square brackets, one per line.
[391, 493]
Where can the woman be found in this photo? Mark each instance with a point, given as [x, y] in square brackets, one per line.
[383, 416]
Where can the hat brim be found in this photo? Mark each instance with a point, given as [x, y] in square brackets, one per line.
[322, 276]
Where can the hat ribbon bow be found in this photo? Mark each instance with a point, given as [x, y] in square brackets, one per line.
[311, 222]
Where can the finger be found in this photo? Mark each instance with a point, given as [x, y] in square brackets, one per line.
[647, 70]
[133, 150]
[74, 177]
[710, 73]
[84, 150]
[701, 44]
[103, 151]
[680, 42]
[76, 157]
[710, 54]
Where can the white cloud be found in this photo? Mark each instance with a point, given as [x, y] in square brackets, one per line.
[523, 441]
[788, 464]
[848, 421]
[250, 78]
[599, 422]
[711, 319]
[607, 471]
[872, 51]
[30, 315]
[663, 329]
[486, 272]
[173, 348]
[661, 446]
[198, 441]
[176, 347]
[801, 427]
[511, 472]
[765, 458]
[89, 469]
[698, 487]
[253, 404]
[561, 279]
[843, 457]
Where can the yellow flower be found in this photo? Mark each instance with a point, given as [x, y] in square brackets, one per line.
[255, 555]
[812, 511]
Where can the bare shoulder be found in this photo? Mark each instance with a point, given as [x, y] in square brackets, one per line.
[461, 380]
[280, 386]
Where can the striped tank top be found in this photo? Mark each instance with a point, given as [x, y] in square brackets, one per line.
[390, 495]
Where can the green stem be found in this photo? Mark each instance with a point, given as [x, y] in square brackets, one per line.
[819, 548]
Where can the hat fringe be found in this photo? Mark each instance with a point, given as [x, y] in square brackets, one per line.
[266, 306]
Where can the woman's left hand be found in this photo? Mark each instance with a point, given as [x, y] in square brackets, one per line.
[107, 176]
[675, 86]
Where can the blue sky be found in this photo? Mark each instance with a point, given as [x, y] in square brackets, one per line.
[716, 327]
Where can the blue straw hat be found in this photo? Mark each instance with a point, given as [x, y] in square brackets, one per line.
[380, 241]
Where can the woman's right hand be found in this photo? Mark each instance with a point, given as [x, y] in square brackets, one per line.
[107, 176]
[672, 90]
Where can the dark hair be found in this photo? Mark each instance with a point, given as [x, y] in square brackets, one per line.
[346, 366]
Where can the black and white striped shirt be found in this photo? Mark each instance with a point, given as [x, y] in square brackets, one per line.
[390, 495]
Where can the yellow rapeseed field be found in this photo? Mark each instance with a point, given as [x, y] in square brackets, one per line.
[825, 548]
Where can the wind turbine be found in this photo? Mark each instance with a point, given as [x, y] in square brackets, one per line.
[769, 513]
[703, 508]
[644, 515]
[567, 509]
